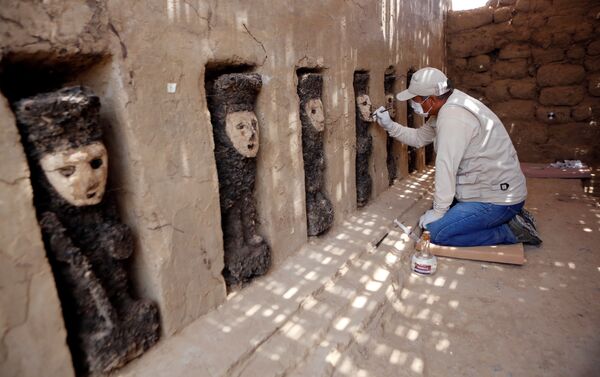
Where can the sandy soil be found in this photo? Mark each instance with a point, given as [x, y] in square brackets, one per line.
[482, 319]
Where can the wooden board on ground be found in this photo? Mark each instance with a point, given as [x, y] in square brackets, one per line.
[511, 254]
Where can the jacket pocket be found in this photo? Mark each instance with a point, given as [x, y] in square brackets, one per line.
[466, 179]
[467, 192]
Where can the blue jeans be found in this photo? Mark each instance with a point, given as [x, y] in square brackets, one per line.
[475, 224]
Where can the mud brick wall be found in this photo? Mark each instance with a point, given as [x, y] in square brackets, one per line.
[149, 62]
[536, 63]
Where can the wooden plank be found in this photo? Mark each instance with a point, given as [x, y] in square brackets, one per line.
[510, 254]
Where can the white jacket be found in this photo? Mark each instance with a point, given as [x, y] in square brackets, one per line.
[475, 161]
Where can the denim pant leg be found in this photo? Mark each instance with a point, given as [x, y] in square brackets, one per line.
[475, 224]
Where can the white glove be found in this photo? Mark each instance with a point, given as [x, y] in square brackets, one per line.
[383, 118]
[429, 217]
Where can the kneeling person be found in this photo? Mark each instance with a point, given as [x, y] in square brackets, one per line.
[479, 186]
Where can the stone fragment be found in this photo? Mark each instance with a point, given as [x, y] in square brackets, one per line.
[506, 2]
[515, 50]
[511, 69]
[514, 109]
[523, 89]
[592, 63]
[562, 95]
[497, 91]
[469, 19]
[594, 48]
[502, 14]
[594, 84]
[544, 56]
[479, 63]
[553, 115]
[560, 74]
[576, 52]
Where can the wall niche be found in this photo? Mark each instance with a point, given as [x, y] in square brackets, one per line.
[389, 80]
[319, 211]
[86, 243]
[364, 141]
[410, 122]
[231, 95]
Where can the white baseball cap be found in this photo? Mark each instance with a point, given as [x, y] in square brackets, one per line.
[425, 82]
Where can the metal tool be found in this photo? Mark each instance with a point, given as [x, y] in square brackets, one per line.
[406, 230]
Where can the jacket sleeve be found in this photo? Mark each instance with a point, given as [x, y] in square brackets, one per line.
[415, 137]
[454, 133]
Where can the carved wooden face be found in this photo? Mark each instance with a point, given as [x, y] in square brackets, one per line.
[242, 129]
[364, 107]
[78, 174]
[390, 104]
[314, 111]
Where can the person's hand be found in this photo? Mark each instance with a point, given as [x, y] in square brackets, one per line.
[383, 118]
[429, 217]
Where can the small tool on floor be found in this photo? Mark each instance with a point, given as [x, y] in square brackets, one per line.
[406, 230]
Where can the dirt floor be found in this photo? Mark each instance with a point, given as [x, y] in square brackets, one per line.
[340, 307]
[482, 319]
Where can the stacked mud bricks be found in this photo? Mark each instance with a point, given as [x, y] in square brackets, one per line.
[536, 63]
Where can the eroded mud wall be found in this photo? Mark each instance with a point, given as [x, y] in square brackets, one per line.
[536, 63]
[147, 61]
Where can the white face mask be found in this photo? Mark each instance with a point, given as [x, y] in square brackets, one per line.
[418, 108]
[242, 129]
[78, 174]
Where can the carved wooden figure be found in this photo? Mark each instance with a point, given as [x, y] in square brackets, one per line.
[86, 243]
[390, 103]
[364, 141]
[231, 100]
[319, 211]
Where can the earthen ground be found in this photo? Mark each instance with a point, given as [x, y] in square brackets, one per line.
[483, 319]
[343, 308]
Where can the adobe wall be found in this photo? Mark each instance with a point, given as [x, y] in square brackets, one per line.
[536, 63]
[147, 62]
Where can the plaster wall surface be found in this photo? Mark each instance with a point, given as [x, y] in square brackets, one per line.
[32, 333]
[147, 61]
